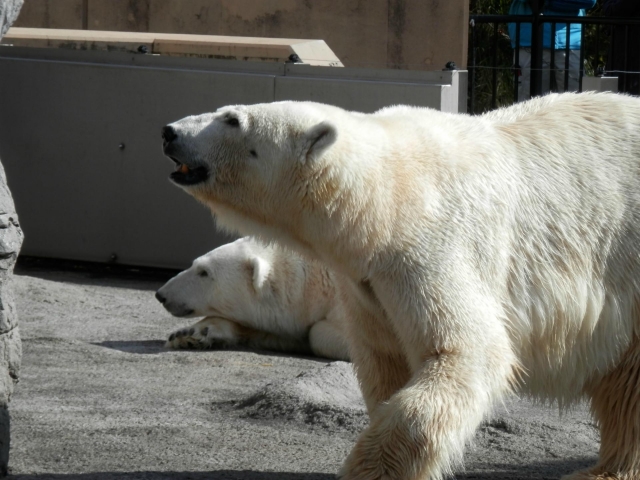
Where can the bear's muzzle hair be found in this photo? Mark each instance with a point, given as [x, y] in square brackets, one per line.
[185, 174]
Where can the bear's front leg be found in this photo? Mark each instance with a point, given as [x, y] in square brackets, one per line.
[217, 333]
[456, 344]
[210, 332]
[377, 355]
[421, 432]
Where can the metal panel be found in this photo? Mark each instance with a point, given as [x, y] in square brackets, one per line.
[370, 89]
[78, 194]
[141, 60]
[359, 95]
[600, 84]
[435, 77]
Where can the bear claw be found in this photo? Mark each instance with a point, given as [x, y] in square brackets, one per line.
[194, 337]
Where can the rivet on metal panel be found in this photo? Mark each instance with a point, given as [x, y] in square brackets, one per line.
[121, 146]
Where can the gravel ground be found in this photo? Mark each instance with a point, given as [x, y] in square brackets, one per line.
[99, 398]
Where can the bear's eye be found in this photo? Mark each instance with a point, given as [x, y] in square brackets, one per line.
[233, 121]
[203, 273]
[253, 153]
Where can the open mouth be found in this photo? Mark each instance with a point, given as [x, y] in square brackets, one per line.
[186, 175]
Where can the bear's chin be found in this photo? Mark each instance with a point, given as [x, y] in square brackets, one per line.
[191, 176]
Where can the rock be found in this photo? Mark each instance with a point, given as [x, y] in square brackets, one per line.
[10, 242]
[9, 10]
[10, 346]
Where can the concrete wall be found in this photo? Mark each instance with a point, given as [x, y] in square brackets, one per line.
[407, 34]
[80, 140]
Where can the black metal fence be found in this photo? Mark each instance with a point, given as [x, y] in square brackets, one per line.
[609, 46]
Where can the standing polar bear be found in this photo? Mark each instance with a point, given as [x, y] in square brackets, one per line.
[259, 296]
[482, 255]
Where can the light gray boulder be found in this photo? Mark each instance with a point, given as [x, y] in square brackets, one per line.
[9, 10]
[10, 346]
[10, 242]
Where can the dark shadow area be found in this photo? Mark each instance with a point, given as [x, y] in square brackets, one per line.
[142, 347]
[551, 470]
[217, 475]
[153, 347]
[93, 273]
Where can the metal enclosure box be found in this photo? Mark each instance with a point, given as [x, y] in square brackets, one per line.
[80, 140]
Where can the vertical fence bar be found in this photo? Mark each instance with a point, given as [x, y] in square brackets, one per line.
[567, 54]
[536, 52]
[518, 70]
[552, 60]
[472, 67]
[611, 60]
[626, 58]
[582, 47]
[494, 66]
[634, 78]
[583, 35]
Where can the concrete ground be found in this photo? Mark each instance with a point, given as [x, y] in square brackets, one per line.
[99, 398]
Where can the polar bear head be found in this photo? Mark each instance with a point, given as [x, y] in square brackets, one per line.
[254, 165]
[229, 282]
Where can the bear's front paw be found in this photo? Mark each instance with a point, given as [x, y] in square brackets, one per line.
[205, 334]
[369, 460]
[392, 448]
[358, 467]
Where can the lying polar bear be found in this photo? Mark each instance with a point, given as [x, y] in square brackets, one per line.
[482, 254]
[258, 296]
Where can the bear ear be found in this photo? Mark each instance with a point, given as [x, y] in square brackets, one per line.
[259, 269]
[317, 139]
[232, 119]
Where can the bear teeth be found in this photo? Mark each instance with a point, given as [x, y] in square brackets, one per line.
[183, 168]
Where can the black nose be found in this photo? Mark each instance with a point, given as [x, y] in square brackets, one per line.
[169, 134]
[161, 298]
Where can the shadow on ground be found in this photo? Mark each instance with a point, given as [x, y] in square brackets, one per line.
[215, 475]
[154, 347]
[538, 471]
[90, 273]
[143, 347]
[549, 470]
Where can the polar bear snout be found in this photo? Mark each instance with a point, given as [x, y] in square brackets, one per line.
[161, 298]
[187, 171]
[177, 309]
[168, 134]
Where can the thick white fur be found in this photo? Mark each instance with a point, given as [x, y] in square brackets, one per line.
[482, 254]
[260, 296]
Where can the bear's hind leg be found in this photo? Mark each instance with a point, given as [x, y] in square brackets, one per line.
[615, 404]
[328, 341]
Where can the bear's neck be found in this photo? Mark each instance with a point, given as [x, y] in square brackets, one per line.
[347, 218]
